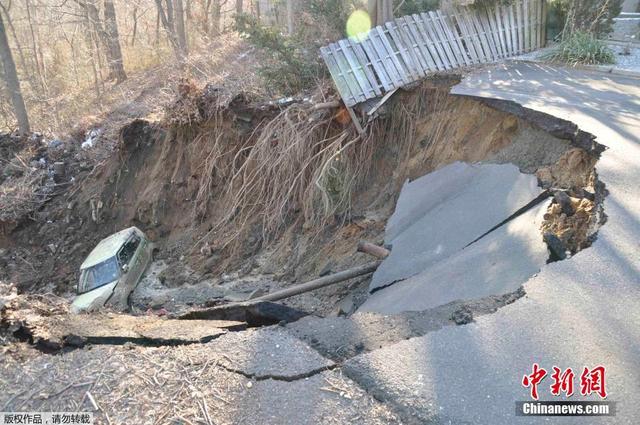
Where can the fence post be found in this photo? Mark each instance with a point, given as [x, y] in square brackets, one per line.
[544, 23]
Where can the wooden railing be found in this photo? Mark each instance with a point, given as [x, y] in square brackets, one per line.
[411, 47]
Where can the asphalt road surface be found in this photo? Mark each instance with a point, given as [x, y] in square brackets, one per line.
[584, 311]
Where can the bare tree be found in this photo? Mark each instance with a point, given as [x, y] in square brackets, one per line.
[215, 17]
[39, 64]
[134, 31]
[108, 36]
[23, 62]
[112, 41]
[180, 28]
[11, 79]
[167, 19]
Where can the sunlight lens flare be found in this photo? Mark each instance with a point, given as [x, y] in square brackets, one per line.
[358, 24]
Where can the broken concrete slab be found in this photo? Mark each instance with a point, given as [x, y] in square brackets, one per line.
[265, 353]
[496, 264]
[340, 338]
[440, 213]
[52, 333]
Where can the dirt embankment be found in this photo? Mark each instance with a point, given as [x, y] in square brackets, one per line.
[223, 184]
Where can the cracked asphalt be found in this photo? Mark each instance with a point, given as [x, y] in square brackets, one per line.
[414, 368]
[584, 311]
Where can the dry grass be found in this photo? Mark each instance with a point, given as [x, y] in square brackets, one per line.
[21, 195]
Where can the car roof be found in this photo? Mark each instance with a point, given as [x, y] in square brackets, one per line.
[108, 247]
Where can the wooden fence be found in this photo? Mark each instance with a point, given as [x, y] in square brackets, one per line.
[411, 47]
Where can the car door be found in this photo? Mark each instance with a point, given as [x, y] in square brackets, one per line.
[132, 255]
[128, 257]
[140, 261]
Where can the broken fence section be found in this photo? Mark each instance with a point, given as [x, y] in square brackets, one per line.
[409, 48]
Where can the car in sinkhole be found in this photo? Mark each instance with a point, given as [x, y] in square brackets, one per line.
[112, 271]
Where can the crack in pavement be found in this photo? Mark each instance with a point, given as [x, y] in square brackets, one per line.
[340, 338]
[284, 378]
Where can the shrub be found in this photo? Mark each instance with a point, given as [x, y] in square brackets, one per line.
[569, 16]
[290, 67]
[582, 48]
[409, 7]
[332, 14]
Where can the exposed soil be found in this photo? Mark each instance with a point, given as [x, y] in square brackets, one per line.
[156, 179]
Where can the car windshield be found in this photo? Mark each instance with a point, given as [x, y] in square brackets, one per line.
[99, 275]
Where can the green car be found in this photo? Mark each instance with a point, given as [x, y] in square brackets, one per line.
[112, 271]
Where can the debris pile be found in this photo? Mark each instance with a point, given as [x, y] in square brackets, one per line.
[576, 212]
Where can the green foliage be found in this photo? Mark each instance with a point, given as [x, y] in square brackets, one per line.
[290, 67]
[594, 16]
[488, 4]
[331, 13]
[582, 48]
[409, 7]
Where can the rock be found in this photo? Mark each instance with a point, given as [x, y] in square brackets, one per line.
[462, 316]
[346, 306]
[545, 177]
[564, 200]
[556, 247]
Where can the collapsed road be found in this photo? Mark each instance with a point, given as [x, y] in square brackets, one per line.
[415, 366]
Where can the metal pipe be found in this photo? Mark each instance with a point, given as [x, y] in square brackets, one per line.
[320, 282]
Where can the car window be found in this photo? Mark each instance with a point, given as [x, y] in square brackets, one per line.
[128, 250]
[99, 275]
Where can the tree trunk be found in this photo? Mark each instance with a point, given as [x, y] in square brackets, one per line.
[23, 62]
[134, 31]
[290, 23]
[167, 20]
[215, 18]
[39, 68]
[238, 7]
[107, 35]
[90, 36]
[116, 64]
[182, 36]
[380, 11]
[13, 84]
[170, 16]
